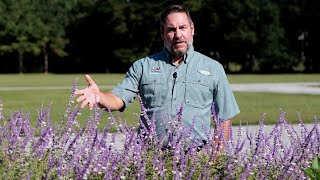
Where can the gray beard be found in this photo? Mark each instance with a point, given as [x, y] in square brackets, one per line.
[179, 53]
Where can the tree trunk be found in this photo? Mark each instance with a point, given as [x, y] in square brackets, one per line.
[46, 61]
[20, 62]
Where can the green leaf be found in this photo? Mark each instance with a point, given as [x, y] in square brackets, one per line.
[310, 173]
[315, 163]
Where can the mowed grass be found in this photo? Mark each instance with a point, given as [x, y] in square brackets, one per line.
[266, 78]
[252, 105]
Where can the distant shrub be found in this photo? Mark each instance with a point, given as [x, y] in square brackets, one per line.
[49, 151]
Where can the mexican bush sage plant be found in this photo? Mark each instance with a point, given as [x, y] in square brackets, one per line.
[68, 151]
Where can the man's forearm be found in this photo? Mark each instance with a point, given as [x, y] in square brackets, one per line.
[226, 129]
[108, 99]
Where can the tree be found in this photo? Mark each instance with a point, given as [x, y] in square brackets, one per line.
[34, 26]
[301, 19]
[248, 33]
[51, 19]
[17, 28]
[128, 28]
[273, 52]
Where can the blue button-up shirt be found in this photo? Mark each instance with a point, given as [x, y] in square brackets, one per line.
[193, 86]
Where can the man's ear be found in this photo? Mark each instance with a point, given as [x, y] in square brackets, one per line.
[192, 29]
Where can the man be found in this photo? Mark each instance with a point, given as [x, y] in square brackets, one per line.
[176, 78]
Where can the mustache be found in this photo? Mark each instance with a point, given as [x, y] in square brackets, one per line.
[179, 41]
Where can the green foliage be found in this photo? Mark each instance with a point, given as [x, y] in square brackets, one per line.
[314, 171]
[194, 165]
[21, 167]
[34, 27]
[259, 36]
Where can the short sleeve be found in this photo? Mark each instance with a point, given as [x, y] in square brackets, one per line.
[225, 103]
[128, 89]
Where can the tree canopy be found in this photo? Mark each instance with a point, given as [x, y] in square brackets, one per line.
[251, 36]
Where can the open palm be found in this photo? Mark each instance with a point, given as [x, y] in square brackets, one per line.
[89, 95]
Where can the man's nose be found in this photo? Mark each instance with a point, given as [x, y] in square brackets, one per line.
[178, 34]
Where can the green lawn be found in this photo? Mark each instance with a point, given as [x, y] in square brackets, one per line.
[260, 78]
[252, 105]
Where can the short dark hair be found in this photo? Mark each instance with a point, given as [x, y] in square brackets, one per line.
[172, 9]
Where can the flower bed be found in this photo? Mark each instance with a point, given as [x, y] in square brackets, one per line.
[50, 151]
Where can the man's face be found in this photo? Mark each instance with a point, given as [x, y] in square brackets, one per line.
[178, 34]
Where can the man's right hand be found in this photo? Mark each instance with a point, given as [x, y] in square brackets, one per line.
[89, 95]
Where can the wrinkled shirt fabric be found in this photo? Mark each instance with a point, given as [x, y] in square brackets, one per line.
[190, 88]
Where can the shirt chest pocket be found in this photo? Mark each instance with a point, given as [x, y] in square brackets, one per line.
[199, 90]
[153, 90]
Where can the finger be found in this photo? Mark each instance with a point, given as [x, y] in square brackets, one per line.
[92, 102]
[91, 105]
[77, 92]
[89, 80]
[84, 103]
[81, 98]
